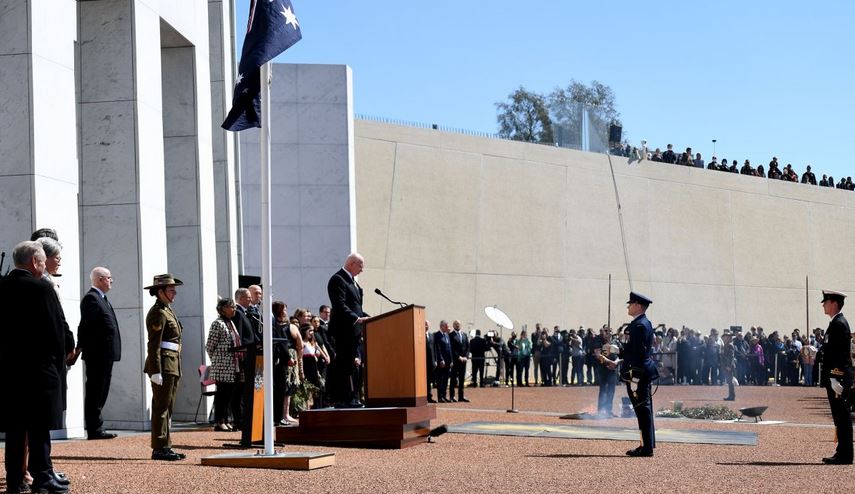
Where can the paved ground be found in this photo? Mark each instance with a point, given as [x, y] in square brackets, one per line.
[786, 458]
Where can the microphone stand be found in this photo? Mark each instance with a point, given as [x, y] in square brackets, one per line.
[378, 292]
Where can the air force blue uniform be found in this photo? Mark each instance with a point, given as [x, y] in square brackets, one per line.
[638, 365]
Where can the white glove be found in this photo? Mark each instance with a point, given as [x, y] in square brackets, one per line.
[157, 379]
[836, 387]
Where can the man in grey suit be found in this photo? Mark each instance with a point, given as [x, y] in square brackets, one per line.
[99, 340]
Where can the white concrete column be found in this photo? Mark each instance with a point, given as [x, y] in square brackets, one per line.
[221, 58]
[313, 187]
[38, 168]
[122, 193]
[190, 221]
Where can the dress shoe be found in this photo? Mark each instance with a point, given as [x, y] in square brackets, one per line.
[639, 452]
[22, 488]
[165, 454]
[729, 399]
[100, 435]
[834, 460]
[49, 486]
[464, 400]
[60, 477]
[431, 400]
[181, 456]
[442, 400]
[452, 400]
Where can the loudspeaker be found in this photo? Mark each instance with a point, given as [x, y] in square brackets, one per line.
[614, 133]
[245, 280]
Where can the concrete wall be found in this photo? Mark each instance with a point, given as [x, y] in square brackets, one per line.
[457, 223]
[312, 187]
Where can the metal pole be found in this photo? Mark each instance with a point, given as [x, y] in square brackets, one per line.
[807, 309]
[609, 316]
[266, 260]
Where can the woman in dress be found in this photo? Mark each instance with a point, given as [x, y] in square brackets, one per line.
[287, 367]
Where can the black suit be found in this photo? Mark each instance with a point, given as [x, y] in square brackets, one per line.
[99, 340]
[442, 351]
[459, 349]
[836, 364]
[346, 307]
[245, 327]
[430, 362]
[32, 363]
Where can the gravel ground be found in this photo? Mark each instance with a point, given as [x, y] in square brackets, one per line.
[786, 459]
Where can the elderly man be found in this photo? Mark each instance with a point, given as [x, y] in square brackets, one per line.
[32, 361]
[836, 377]
[163, 363]
[345, 327]
[99, 340]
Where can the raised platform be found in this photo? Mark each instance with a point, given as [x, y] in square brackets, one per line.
[280, 460]
[387, 428]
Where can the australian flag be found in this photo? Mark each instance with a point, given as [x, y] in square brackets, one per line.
[271, 29]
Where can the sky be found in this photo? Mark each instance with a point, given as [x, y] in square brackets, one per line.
[762, 78]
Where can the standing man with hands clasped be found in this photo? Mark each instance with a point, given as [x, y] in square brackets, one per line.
[836, 375]
[345, 327]
[163, 363]
[99, 340]
[639, 370]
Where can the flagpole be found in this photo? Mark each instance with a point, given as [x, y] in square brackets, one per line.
[266, 260]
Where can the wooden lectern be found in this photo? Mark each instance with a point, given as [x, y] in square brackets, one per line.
[395, 359]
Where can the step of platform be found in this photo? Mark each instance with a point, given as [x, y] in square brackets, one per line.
[388, 428]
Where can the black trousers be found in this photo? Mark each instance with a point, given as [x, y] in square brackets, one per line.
[441, 378]
[565, 367]
[458, 375]
[478, 371]
[98, 377]
[642, 403]
[226, 398]
[842, 424]
[39, 463]
[523, 364]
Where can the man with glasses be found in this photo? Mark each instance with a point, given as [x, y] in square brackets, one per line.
[99, 340]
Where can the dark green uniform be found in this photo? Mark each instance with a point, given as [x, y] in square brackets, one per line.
[163, 327]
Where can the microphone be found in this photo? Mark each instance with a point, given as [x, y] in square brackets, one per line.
[378, 292]
[436, 432]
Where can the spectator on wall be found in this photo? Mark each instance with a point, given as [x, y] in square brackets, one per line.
[808, 177]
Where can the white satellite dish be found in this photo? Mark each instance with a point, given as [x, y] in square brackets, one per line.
[497, 316]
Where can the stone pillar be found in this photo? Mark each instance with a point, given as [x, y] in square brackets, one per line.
[122, 175]
[190, 222]
[313, 188]
[38, 169]
[222, 50]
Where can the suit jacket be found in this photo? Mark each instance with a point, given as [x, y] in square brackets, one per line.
[478, 347]
[98, 332]
[244, 326]
[32, 353]
[459, 345]
[346, 307]
[430, 355]
[836, 356]
[442, 348]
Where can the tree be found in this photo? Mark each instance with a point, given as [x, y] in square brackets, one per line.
[566, 107]
[525, 117]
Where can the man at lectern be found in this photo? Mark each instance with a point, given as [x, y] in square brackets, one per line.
[345, 326]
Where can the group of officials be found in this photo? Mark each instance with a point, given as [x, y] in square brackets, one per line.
[36, 351]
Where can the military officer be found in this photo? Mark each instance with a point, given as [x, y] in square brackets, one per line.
[727, 363]
[836, 377]
[639, 370]
[163, 363]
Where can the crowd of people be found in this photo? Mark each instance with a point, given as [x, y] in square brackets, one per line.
[690, 158]
[570, 357]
